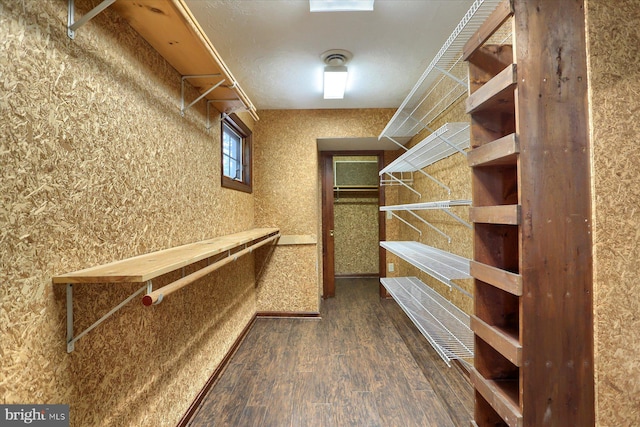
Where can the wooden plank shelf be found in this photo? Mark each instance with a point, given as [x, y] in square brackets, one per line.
[496, 95]
[506, 214]
[444, 325]
[172, 30]
[501, 152]
[145, 267]
[502, 395]
[504, 341]
[501, 279]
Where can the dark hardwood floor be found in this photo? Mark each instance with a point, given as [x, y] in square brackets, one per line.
[362, 364]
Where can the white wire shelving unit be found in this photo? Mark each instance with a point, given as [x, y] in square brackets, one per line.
[443, 206]
[437, 263]
[449, 139]
[445, 326]
[443, 82]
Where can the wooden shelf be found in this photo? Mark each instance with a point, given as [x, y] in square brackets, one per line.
[445, 326]
[145, 267]
[496, 95]
[503, 151]
[501, 279]
[171, 29]
[504, 341]
[506, 214]
[502, 395]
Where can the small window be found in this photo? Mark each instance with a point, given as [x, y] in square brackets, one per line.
[236, 154]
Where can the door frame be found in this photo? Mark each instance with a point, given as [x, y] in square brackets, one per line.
[328, 247]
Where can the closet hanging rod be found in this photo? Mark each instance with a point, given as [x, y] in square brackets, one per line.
[157, 296]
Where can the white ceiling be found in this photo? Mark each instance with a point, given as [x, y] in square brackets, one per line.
[273, 47]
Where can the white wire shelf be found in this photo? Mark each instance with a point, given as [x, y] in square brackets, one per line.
[449, 139]
[443, 82]
[437, 263]
[444, 204]
[446, 327]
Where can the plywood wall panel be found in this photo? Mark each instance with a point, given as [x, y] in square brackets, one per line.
[287, 190]
[614, 77]
[288, 281]
[98, 165]
[356, 236]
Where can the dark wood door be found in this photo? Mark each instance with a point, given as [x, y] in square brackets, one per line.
[328, 261]
[328, 258]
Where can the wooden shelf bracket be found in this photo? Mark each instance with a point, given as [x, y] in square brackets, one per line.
[72, 25]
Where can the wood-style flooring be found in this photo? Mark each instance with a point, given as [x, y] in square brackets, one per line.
[362, 364]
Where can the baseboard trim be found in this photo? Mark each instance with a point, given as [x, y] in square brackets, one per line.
[463, 369]
[357, 276]
[289, 314]
[184, 421]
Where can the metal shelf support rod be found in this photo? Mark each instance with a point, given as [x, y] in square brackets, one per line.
[397, 143]
[71, 339]
[73, 26]
[430, 225]
[403, 183]
[457, 218]
[451, 76]
[393, 214]
[182, 80]
[449, 143]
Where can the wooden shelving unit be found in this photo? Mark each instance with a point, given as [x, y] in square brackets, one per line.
[172, 30]
[533, 361]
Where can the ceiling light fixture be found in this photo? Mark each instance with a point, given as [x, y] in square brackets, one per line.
[340, 5]
[335, 73]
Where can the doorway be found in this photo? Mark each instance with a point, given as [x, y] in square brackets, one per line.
[352, 224]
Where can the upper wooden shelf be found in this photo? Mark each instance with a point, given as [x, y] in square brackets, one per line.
[145, 267]
[497, 94]
[171, 29]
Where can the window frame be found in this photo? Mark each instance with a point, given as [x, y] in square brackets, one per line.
[237, 125]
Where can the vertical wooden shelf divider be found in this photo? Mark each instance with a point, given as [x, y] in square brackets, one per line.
[532, 270]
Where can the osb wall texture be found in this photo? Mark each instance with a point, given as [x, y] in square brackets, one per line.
[613, 39]
[356, 224]
[287, 194]
[97, 165]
